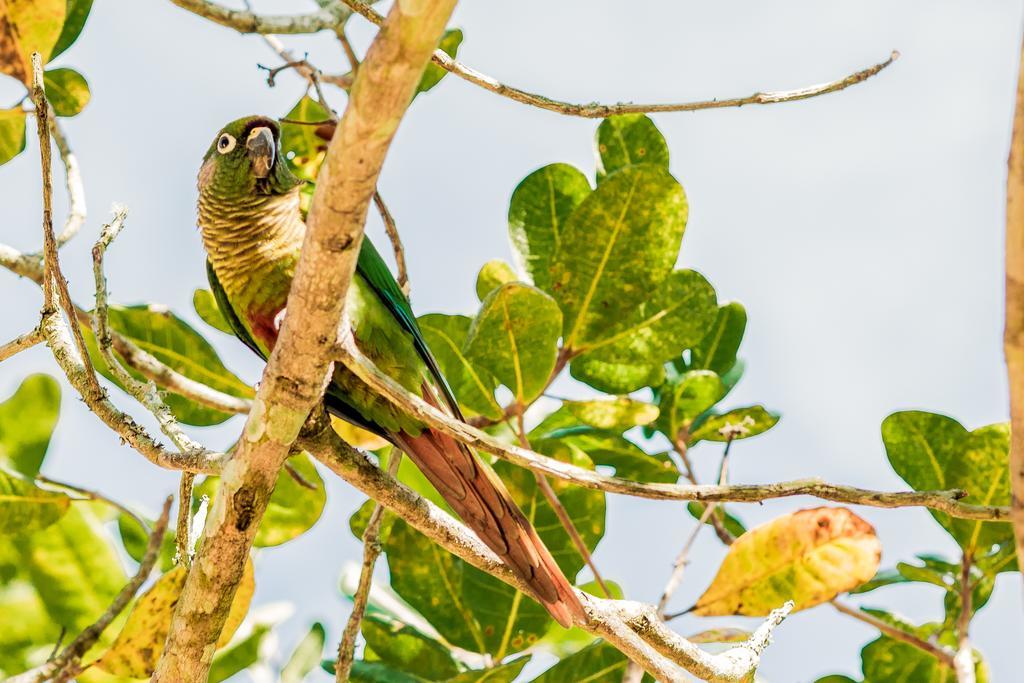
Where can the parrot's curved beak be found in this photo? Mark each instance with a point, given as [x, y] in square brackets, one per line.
[262, 150]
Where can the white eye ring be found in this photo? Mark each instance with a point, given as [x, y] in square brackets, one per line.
[225, 143]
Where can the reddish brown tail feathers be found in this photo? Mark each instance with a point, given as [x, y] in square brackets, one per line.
[483, 503]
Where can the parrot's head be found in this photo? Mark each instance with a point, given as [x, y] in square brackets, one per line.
[245, 160]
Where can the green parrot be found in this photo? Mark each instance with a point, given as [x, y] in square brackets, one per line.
[253, 229]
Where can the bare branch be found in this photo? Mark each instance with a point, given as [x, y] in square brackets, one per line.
[73, 182]
[182, 535]
[248, 22]
[1013, 335]
[595, 110]
[940, 652]
[299, 366]
[631, 627]
[945, 501]
[371, 550]
[396, 241]
[21, 343]
[963, 660]
[67, 663]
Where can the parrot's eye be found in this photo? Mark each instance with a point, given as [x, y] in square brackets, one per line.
[225, 144]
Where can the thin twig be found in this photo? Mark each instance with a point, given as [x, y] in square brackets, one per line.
[182, 532]
[90, 494]
[963, 661]
[595, 110]
[940, 652]
[371, 550]
[67, 663]
[346, 46]
[73, 182]
[51, 260]
[297, 477]
[21, 343]
[396, 241]
[945, 501]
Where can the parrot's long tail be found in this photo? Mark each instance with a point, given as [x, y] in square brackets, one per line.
[479, 497]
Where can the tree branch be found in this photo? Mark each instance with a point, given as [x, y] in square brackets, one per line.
[596, 110]
[940, 652]
[73, 183]
[1013, 336]
[299, 366]
[371, 550]
[20, 343]
[67, 663]
[963, 660]
[248, 22]
[945, 501]
[629, 626]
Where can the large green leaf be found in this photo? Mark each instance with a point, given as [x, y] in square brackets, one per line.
[28, 26]
[27, 628]
[26, 508]
[73, 566]
[305, 656]
[176, 344]
[407, 649]
[599, 662]
[738, 423]
[27, 420]
[473, 386]
[207, 309]
[684, 398]
[717, 350]
[74, 22]
[626, 140]
[515, 337]
[670, 319]
[537, 212]
[493, 274]
[885, 660]
[616, 378]
[293, 508]
[67, 91]
[627, 459]
[449, 44]
[931, 451]
[616, 249]
[374, 672]
[12, 133]
[239, 655]
[502, 673]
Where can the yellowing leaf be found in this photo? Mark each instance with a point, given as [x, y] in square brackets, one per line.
[12, 133]
[24, 507]
[360, 438]
[138, 646]
[492, 275]
[808, 557]
[617, 414]
[28, 26]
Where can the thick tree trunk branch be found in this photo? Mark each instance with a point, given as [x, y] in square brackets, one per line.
[1014, 331]
[299, 366]
[630, 626]
[945, 501]
[595, 110]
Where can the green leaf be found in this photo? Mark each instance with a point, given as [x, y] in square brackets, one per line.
[303, 148]
[739, 423]
[885, 577]
[406, 649]
[932, 451]
[206, 308]
[615, 414]
[12, 133]
[67, 91]
[373, 672]
[26, 508]
[835, 678]
[449, 44]
[173, 342]
[28, 26]
[717, 350]
[27, 420]
[27, 628]
[731, 523]
[615, 378]
[305, 656]
[599, 662]
[492, 275]
[537, 212]
[684, 398]
[74, 22]
[515, 337]
[238, 656]
[293, 508]
[502, 673]
[885, 659]
[473, 386]
[74, 567]
[135, 539]
[626, 140]
[617, 247]
[809, 557]
[628, 460]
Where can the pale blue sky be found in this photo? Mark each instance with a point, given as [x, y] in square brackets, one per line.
[863, 232]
